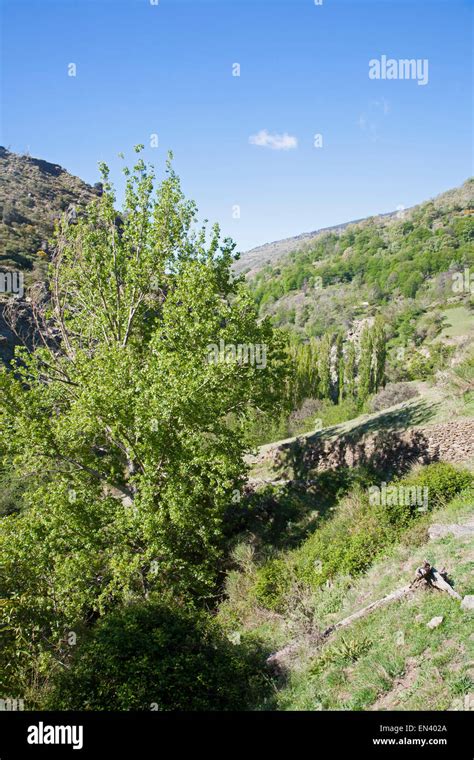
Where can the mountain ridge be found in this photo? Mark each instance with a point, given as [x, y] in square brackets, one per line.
[33, 194]
[254, 259]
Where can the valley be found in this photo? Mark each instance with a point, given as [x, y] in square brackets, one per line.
[250, 415]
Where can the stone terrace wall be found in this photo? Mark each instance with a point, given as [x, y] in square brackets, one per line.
[389, 450]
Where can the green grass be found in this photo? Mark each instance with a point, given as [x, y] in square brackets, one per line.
[395, 646]
[389, 659]
[399, 663]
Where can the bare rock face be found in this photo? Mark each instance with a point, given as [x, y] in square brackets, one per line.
[468, 602]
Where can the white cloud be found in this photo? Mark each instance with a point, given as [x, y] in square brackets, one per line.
[371, 122]
[265, 139]
[382, 105]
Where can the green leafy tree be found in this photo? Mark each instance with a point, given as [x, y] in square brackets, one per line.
[350, 371]
[324, 366]
[303, 380]
[127, 424]
[339, 367]
[365, 364]
[379, 339]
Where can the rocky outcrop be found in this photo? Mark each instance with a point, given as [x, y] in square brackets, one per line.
[33, 194]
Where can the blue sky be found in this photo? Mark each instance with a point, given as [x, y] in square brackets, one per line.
[166, 69]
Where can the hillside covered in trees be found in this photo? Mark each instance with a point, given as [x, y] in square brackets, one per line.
[381, 262]
[395, 275]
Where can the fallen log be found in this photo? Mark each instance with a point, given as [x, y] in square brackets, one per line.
[439, 581]
[398, 594]
[426, 576]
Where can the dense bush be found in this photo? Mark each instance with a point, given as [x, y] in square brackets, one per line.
[422, 366]
[273, 582]
[359, 531]
[345, 544]
[159, 657]
[442, 480]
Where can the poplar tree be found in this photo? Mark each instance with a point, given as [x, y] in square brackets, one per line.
[350, 371]
[339, 368]
[365, 383]
[380, 352]
[324, 366]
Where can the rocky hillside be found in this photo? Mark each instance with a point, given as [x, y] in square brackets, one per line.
[33, 193]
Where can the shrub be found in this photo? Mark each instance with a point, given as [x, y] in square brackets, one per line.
[272, 584]
[443, 481]
[359, 531]
[341, 653]
[347, 543]
[156, 656]
[421, 366]
[393, 393]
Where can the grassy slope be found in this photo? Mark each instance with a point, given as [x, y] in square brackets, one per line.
[390, 660]
[459, 321]
[402, 663]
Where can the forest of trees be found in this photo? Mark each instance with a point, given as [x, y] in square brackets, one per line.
[376, 261]
[334, 369]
